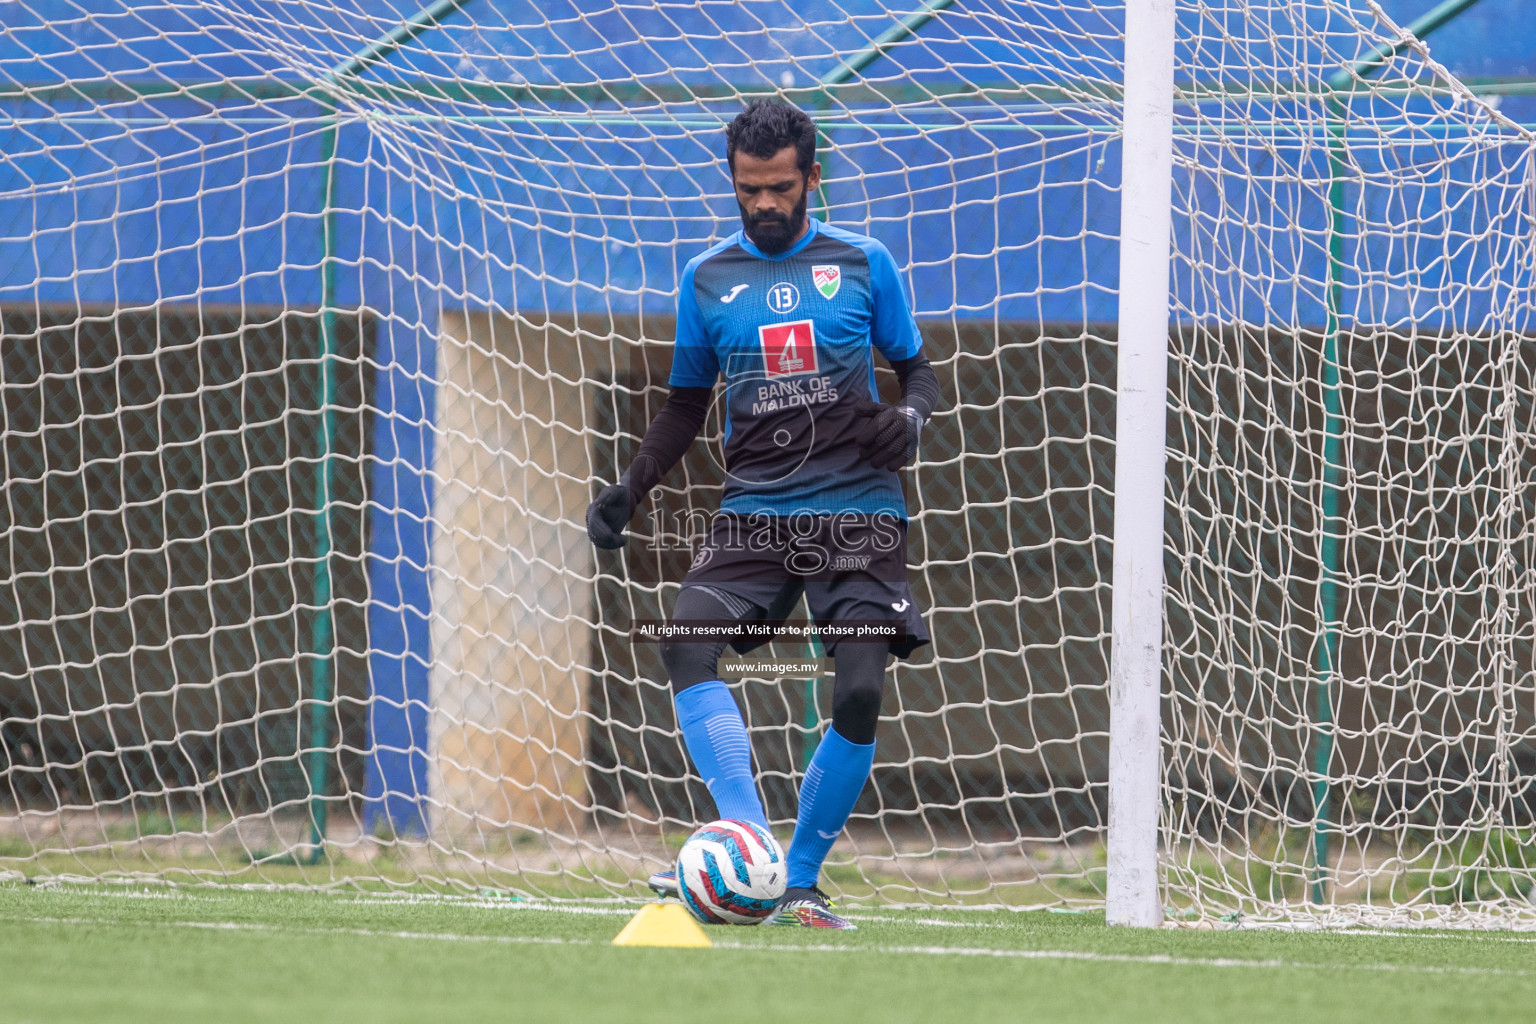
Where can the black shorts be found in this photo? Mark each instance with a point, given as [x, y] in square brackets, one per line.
[851, 567]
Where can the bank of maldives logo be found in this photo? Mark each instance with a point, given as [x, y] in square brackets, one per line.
[788, 349]
[828, 279]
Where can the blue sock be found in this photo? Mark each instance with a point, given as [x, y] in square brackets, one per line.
[832, 785]
[717, 741]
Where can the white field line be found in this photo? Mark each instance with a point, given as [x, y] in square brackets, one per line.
[1130, 958]
[1153, 959]
[386, 899]
[367, 933]
[478, 902]
[1405, 933]
[934, 922]
[510, 905]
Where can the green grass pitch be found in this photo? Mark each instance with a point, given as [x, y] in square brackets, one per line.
[162, 954]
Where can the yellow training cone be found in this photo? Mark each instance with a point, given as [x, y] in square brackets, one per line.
[662, 924]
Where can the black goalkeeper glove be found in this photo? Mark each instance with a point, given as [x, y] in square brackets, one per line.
[889, 438]
[608, 515]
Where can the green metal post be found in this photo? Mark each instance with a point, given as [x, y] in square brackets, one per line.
[381, 48]
[823, 145]
[845, 71]
[1333, 522]
[1383, 52]
[901, 31]
[323, 629]
[811, 718]
[877, 48]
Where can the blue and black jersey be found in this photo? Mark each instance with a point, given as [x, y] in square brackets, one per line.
[793, 336]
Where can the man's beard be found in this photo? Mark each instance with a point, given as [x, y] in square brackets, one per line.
[773, 232]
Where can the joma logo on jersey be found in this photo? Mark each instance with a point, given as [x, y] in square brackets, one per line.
[789, 349]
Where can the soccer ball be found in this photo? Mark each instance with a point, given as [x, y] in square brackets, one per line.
[731, 872]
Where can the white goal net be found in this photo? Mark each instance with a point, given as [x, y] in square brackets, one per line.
[321, 323]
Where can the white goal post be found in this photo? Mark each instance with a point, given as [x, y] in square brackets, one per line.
[1133, 895]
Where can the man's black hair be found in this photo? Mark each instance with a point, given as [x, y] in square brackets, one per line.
[766, 127]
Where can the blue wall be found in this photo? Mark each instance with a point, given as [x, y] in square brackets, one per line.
[600, 216]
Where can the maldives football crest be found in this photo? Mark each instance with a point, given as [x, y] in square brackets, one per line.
[827, 279]
[788, 349]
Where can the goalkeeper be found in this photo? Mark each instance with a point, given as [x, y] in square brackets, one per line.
[789, 311]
